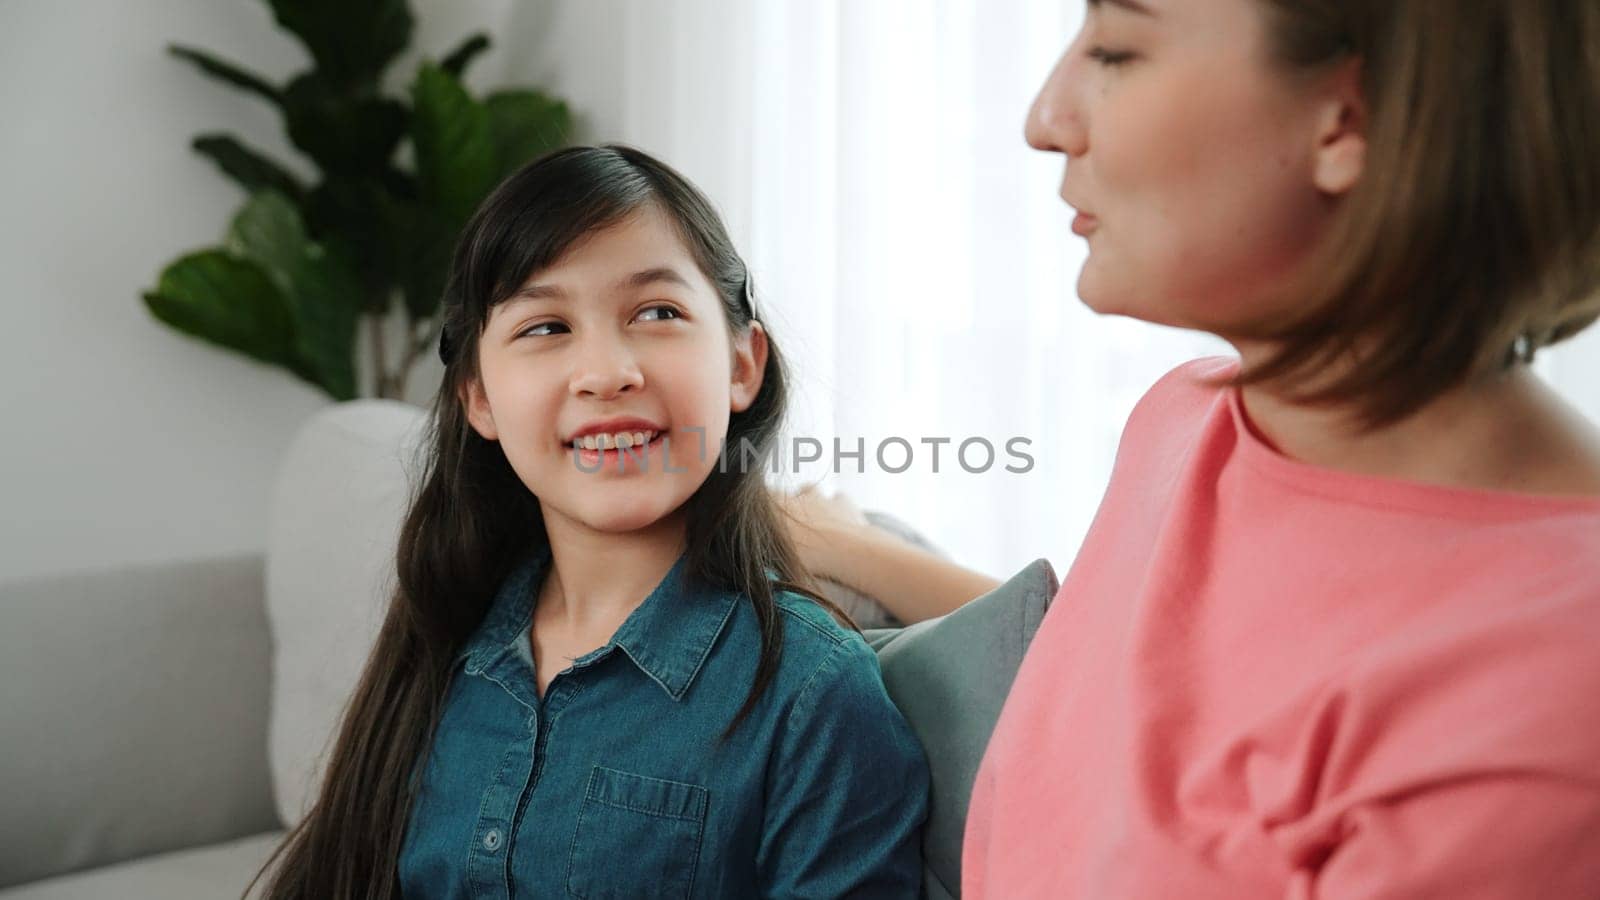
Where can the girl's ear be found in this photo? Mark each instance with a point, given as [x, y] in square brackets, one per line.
[1341, 149]
[749, 366]
[479, 415]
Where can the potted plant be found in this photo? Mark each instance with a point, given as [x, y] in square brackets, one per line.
[307, 267]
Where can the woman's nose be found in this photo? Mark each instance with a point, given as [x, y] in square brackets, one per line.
[1055, 121]
[605, 369]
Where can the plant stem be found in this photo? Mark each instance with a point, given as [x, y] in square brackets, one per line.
[430, 337]
[419, 347]
[381, 377]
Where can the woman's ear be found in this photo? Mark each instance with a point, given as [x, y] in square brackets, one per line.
[749, 366]
[479, 415]
[1341, 149]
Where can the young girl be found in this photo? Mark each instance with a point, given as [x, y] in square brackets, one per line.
[1335, 631]
[601, 674]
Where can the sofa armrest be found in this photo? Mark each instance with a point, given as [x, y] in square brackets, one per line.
[134, 705]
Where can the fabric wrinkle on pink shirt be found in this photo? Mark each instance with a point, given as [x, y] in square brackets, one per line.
[1266, 679]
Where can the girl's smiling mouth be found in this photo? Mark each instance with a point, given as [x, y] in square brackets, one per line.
[611, 440]
[596, 452]
[621, 440]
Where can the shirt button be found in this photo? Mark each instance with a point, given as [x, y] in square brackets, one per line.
[491, 841]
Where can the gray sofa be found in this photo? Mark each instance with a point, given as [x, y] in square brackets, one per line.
[135, 706]
[162, 723]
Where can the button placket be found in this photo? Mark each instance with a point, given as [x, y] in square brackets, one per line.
[487, 868]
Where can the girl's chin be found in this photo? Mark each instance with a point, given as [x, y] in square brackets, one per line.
[614, 519]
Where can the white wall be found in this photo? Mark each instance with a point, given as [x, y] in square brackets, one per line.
[659, 75]
[122, 440]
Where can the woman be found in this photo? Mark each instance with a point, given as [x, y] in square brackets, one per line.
[1335, 630]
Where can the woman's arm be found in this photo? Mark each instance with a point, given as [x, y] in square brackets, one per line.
[836, 542]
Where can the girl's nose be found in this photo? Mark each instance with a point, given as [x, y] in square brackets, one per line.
[1055, 121]
[606, 371]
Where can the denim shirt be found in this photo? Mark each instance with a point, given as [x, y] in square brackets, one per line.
[614, 785]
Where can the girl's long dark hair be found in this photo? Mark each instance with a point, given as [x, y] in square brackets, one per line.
[471, 519]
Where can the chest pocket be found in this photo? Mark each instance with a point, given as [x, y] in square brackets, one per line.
[638, 838]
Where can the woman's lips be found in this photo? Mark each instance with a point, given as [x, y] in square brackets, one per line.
[1084, 224]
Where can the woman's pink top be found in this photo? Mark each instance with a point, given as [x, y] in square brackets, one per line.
[1264, 679]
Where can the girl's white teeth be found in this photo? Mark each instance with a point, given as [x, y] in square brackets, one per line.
[620, 440]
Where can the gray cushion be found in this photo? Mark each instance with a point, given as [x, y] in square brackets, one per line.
[135, 710]
[950, 676]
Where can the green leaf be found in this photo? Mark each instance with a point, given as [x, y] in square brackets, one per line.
[425, 277]
[355, 213]
[226, 71]
[226, 301]
[353, 41]
[249, 168]
[346, 132]
[268, 232]
[323, 293]
[526, 125]
[427, 243]
[456, 61]
[455, 151]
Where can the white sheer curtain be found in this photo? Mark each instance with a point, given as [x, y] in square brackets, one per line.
[908, 246]
[915, 249]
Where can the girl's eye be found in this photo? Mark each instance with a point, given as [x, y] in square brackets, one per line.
[660, 313]
[539, 330]
[1110, 58]
[645, 313]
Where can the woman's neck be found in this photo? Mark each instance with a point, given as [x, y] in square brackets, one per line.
[1505, 432]
[597, 578]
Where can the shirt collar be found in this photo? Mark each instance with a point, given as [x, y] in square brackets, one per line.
[668, 637]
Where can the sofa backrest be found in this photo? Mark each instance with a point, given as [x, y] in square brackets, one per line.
[341, 493]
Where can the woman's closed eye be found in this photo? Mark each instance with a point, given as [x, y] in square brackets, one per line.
[1110, 58]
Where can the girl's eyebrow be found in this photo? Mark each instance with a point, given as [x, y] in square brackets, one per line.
[1133, 6]
[642, 278]
[658, 274]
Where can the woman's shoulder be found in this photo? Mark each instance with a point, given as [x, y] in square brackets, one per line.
[1172, 414]
[1194, 385]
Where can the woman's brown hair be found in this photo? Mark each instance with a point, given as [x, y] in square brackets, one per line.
[1472, 239]
[471, 518]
